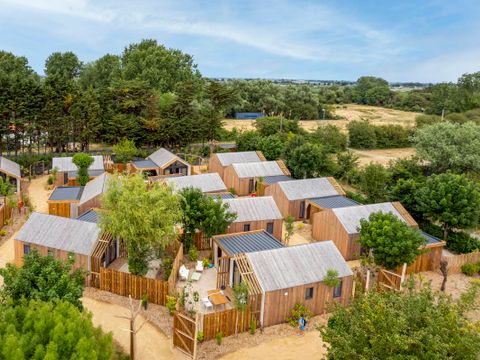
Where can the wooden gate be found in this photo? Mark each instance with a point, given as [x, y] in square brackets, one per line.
[388, 280]
[185, 334]
[223, 271]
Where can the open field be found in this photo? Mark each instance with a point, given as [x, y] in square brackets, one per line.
[382, 156]
[350, 112]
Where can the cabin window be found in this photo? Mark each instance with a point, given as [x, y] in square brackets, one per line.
[270, 227]
[246, 227]
[251, 185]
[337, 290]
[309, 293]
[26, 249]
[50, 252]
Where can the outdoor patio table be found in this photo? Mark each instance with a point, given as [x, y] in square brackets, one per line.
[217, 298]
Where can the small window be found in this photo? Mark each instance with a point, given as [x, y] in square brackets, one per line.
[270, 227]
[246, 227]
[309, 293]
[337, 291]
[50, 252]
[26, 249]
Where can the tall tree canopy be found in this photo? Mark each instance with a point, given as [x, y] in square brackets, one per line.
[310, 160]
[144, 216]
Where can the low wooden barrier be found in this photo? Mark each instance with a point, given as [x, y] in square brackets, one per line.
[5, 214]
[225, 321]
[126, 284]
[172, 279]
[455, 262]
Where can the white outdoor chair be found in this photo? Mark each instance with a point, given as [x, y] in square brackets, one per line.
[183, 272]
[199, 267]
[207, 303]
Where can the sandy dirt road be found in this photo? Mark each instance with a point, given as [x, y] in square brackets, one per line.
[39, 194]
[152, 344]
[308, 346]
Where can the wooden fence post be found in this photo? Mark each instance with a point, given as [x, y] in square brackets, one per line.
[402, 279]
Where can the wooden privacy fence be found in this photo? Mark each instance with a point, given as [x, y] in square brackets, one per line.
[172, 279]
[185, 334]
[202, 241]
[126, 284]
[455, 262]
[224, 321]
[5, 214]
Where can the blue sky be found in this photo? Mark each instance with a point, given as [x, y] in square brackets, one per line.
[428, 41]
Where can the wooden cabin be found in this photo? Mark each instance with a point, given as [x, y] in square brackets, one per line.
[226, 246]
[162, 162]
[64, 201]
[219, 161]
[92, 193]
[292, 196]
[342, 226]
[207, 183]
[11, 170]
[245, 178]
[294, 275]
[255, 213]
[62, 238]
[67, 171]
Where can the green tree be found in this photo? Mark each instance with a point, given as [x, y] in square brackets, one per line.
[43, 278]
[63, 66]
[6, 187]
[145, 217]
[361, 135]
[274, 125]
[371, 91]
[46, 330]
[452, 200]
[399, 325]
[448, 146]
[86, 111]
[310, 160]
[346, 162]
[83, 162]
[125, 151]
[330, 137]
[271, 146]
[289, 228]
[391, 241]
[248, 141]
[373, 182]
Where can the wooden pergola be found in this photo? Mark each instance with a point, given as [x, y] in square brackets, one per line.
[96, 258]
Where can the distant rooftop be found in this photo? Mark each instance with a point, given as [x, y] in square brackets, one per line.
[248, 242]
[333, 202]
[66, 193]
[229, 158]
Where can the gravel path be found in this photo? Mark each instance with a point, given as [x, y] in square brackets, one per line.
[38, 193]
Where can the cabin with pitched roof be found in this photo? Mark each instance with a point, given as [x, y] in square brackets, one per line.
[11, 170]
[209, 183]
[291, 275]
[298, 198]
[64, 201]
[219, 161]
[162, 163]
[92, 194]
[342, 226]
[245, 178]
[67, 171]
[255, 213]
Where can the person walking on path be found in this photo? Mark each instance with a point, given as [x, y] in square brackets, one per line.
[301, 325]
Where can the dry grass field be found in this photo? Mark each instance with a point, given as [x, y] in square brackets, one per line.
[350, 112]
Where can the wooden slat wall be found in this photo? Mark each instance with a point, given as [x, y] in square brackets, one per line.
[96, 202]
[258, 225]
[455, 262]
[59, 209]
[126, 284]
[224, 321]
[326, 226]
[278, 306]
[5, 214]
[280, 199]
[172, 279]
[215, 166]
[428, 261]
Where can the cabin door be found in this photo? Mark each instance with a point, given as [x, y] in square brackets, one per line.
[251, 185]
[301, 215]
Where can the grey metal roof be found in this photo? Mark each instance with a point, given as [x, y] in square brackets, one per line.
[227, 145]
[229, 158]
[297, 265]
[430, 238]
[90, 216]
[206, 182]
[65, 164]
[223, 195]
[66, 193]
[60, 233]
[10, 167]
[162, 157]
[307, 188]
[145, 164]
[333, 202]
[94, 188]
[92, 173]
[257, 169]
[248, 242]
[254, 208]
[275, 179]
[350, 216]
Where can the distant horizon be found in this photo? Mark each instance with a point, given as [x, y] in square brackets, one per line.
[426, 42]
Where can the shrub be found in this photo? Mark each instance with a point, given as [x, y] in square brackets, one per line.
[196, 296]
[171, 304]
[167, 265]
[206, 262]
[3, 232]
[331, 279]
[193, 253]
[392, 136]
[361, 135]
[50, 180]
[462, 243]
[218, 338]
[298, 310]
[125, 150]
[253, 327]
[200, 336]
[470, 269]
[83, 162]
